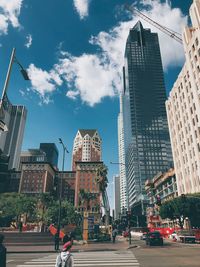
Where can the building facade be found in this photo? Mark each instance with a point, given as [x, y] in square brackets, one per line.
[51, 152]
[67, 181]
[37, 178]
[159, 189]
[87, 147]
[122, 167]
[116, 180]
[183, 110]
[14, 117]
[146, 136]
[86, 174]
[14, 181]
[32, 155]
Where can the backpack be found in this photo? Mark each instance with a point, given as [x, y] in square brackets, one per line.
[63, 263]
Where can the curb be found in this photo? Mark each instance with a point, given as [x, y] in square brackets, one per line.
[133, 247]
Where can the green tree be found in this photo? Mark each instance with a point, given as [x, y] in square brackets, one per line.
[181, 208]
[14, 205]
[44, 201]
[68, 214]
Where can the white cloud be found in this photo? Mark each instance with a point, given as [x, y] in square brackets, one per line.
[43, 82]
[95, 76]
[9, 13]
[82, 7]
[91, 77]
[29, 40]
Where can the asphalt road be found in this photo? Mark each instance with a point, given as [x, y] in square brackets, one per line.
[170, 255]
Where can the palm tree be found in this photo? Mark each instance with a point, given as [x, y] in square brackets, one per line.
[86, 197]
[101, 177]
[102, 180]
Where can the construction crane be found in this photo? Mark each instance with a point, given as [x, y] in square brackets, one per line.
[176, 36]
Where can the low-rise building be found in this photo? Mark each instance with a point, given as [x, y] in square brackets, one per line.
[36, 177]
[159, 189]
[86, 179]
[14, 181]
[67, 180]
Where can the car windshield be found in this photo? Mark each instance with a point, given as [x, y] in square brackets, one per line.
[155, 234]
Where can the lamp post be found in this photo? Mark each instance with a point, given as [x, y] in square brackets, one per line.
[60, 189]
[24, 73]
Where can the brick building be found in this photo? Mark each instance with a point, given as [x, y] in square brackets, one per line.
[86, 179]
[37, 177]
[67, 179]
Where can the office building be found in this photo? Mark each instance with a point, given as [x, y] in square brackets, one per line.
[87, 147]
[183, 110]
[51, 153]
[122, 168]
[146, 137]
[116, 180]
[14, 117]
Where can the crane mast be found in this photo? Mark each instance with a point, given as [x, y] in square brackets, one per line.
[165, 30]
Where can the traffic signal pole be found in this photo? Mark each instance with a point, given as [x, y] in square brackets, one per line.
[129, 226]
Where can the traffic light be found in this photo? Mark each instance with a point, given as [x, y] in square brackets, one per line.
[128, 214]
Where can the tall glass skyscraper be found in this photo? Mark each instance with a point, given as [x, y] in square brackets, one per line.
[146, 137]
[14, 116]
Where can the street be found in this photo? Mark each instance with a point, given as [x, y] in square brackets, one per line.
[170, 255]
[100, 259]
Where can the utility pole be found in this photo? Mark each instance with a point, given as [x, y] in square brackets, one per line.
[60, 193]
[129, 225]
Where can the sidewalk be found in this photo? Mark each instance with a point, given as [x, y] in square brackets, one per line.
[107, 246]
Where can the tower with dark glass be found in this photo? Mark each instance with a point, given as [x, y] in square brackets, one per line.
[146, 137]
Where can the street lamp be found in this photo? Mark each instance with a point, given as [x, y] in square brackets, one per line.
[60, 188]
[3, 100]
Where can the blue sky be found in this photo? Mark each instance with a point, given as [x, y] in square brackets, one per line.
[73, 50]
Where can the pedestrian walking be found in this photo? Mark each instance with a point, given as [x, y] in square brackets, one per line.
[20, 225]
[66, 239]
[65, 258]
[56, 241]
[2, 252]
[72, 236]
[114, 234]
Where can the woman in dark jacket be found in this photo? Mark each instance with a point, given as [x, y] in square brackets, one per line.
[2, 252]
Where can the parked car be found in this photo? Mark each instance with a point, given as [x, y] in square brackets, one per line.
[154, 238]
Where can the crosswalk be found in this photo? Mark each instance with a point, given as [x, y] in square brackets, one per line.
[89, 259]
